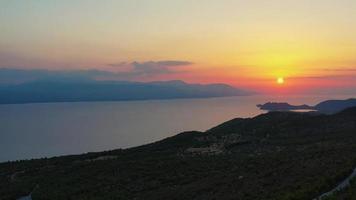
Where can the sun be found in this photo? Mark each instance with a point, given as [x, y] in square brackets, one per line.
[280, 80]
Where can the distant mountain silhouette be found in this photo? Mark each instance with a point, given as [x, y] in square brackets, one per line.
[91, 90]
[332, 106]
[328, 107]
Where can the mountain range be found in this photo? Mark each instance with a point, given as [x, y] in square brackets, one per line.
[91, 90]
[41, 86]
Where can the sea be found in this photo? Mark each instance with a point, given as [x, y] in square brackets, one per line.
[52, 129]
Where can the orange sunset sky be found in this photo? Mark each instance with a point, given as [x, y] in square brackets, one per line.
[311, 44]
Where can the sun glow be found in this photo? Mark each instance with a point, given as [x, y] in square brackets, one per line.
[280, 80]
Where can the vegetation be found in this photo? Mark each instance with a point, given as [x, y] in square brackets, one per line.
[279, 156]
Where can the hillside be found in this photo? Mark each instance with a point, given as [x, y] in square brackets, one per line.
[278, 155]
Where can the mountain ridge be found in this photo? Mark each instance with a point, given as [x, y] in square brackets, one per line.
[46, 91]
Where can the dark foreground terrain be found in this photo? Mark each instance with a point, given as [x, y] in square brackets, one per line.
[279, 155]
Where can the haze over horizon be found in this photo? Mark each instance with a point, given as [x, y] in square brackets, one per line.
[277, 46]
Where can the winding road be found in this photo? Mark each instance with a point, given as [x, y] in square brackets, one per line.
[345, 183]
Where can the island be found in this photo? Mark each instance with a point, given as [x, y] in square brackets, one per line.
[275, 106]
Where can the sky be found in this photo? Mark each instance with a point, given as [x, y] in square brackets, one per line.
[311, 44]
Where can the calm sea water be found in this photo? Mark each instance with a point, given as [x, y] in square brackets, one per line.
[51, 129]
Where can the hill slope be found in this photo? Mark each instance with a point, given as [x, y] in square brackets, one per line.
[279, 155]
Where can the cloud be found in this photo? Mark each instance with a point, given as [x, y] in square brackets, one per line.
[162, 63]
[158, 67]
[341, 69]
[149, 68]
[152, 64]
[133, 71]
[326, 77]
[120, 64]
[169, 63]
